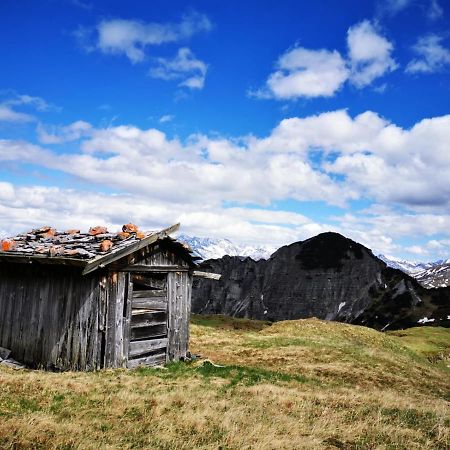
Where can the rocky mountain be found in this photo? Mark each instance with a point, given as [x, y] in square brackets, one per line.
[437, 275]
[430, 275]
[208, 248]
[409, 267]
[329, 277]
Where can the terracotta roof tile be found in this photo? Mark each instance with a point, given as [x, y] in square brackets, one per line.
[47, 241]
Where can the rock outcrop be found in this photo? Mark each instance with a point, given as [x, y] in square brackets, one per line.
[329, 277]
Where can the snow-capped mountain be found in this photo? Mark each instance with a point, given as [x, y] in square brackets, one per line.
[436, 276]
[208, 248]
[409, 267]
[430, 274]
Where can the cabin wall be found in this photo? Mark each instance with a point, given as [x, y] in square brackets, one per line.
[50, 316]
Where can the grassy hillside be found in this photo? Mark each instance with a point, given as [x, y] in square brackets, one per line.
[297, 384]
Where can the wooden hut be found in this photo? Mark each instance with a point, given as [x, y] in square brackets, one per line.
[86, 301]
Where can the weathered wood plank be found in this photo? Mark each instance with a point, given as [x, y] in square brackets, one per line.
[156, 268]
[150, 293]
[120, 352]
[128, 317]
[185, 314]
[153, 360]
[152, 281]
[102, 322]
[173, 285]
[110, 335]
[150, 303]
[148, 318]
[141, 347]
[149, 332]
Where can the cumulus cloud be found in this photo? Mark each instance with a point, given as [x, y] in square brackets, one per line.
[23, 208]
[184, 66]
[369, 54]
[331, 157]
[132, 37]
[307, 73]
[432, 56]
[60, 134]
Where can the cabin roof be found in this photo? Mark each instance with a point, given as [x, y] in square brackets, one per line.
[91, 249]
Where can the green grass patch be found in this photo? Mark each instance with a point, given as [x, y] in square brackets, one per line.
[236, 374]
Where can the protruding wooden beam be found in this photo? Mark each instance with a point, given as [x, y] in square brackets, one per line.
[209, 275]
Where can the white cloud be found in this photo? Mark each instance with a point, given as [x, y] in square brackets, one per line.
[60, 134]
[410, 167]
[435, 10]
[392, 7]
[432, 55]
[331, 157]
[369, 54]
[166, 118]
[416, 250]
[306, 73]
[24, 208]
[184, 66]
[302, 72]
[380, 228]
[132, 37]
[7, 114]
[8, 108]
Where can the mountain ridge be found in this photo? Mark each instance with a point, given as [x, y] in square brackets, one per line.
[328, 276]
[430, 274]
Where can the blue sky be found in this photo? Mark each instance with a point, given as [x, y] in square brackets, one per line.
[263, 122]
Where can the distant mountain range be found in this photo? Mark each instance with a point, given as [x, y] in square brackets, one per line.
[328, 276]
[429, 274]
[208, 248]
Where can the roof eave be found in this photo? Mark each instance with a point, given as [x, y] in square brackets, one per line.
[103, 260]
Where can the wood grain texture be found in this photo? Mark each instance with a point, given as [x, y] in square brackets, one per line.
[146, 346]
[150, 293]
[147, 318]
[49, 316]
[157, 303]
[153, 360]
[153, 331]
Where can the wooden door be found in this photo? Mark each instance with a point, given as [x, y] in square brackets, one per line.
[148, 324]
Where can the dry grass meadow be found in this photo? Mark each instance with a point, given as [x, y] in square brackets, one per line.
[305, 384]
